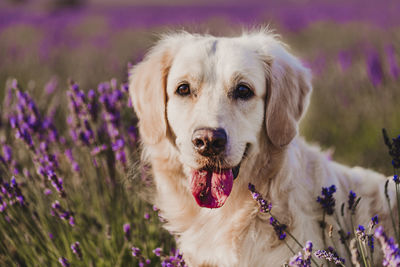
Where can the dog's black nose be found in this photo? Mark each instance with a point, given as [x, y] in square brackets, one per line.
[209, 142]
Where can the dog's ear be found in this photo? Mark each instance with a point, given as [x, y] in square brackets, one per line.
[289, 87]
[147, 88]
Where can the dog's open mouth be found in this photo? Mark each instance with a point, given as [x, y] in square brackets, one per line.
[211, 187]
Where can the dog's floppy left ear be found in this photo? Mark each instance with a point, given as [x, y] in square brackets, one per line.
[289, 86]
[147, 82]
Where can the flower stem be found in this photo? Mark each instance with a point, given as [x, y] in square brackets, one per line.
[344, 243]
[391, 213]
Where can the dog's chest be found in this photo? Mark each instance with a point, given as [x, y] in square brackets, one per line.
[232, 242]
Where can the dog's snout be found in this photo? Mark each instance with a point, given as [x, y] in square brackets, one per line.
[209, 141]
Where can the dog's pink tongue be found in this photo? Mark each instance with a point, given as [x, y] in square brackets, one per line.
[211, 189]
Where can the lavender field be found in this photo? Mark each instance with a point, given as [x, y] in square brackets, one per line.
[72, 188]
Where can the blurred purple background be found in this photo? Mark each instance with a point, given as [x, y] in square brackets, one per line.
[291, 15]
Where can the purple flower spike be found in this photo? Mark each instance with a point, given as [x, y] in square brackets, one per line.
[157, 252]
[135, 251]
[302, 260]
[51, 86]
[329, 255]
[127, 231]
[374, 221]
[352, 198]
[76, 249]
[278, 228]
[59, 211]
[174, 259]
[327, 200]
[360, 233]
[71, 221]
[138, 254]
[374, 68]
[265, 206]
[393, 65]
[391, 252]
[64, 262]
[7, 152]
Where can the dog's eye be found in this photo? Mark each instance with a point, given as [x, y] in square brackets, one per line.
[183, 89]
[242, 91]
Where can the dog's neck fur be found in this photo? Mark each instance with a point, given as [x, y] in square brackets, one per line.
[184, 216]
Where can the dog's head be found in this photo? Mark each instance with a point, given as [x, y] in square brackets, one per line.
[216, 99]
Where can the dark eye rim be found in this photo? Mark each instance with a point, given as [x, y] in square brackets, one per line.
[249, 94]
[179, 92]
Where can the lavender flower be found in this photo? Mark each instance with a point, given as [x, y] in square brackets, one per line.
[81, 129]
[352, 198]
[127, 231]
[157, 252]
[98, 149]
[302, 260]
[51, 86]
[36, 132]
[278, 228]
[329, 255]
[56, 182]
[58, 210]
[374, 68]
[64, 262]
[360, 233]
[374, 221]
[174, 259]
[391, 252]
[7, 153]
[92, 106]
[138, 254]
[371, 243]
[76, 249]
[394, 149]
[394, 69]
[10, 193]
[327, 200]
[265, 207]
[110, 97]
[70, 157]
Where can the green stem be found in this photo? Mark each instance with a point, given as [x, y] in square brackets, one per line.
[286, 243]
[295, 240]
[391, 216]
[121, 254]
[323, 229]
[344, 241]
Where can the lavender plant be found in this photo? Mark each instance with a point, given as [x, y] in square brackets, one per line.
[359, 242]
[65, 197]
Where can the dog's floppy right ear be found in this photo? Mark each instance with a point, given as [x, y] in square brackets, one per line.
[147, 88]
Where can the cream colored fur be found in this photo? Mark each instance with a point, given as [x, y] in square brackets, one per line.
[286, 170]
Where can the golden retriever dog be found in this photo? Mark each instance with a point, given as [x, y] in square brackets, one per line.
[216, 114]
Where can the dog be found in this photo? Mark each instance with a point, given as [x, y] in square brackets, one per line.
[218, 113]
